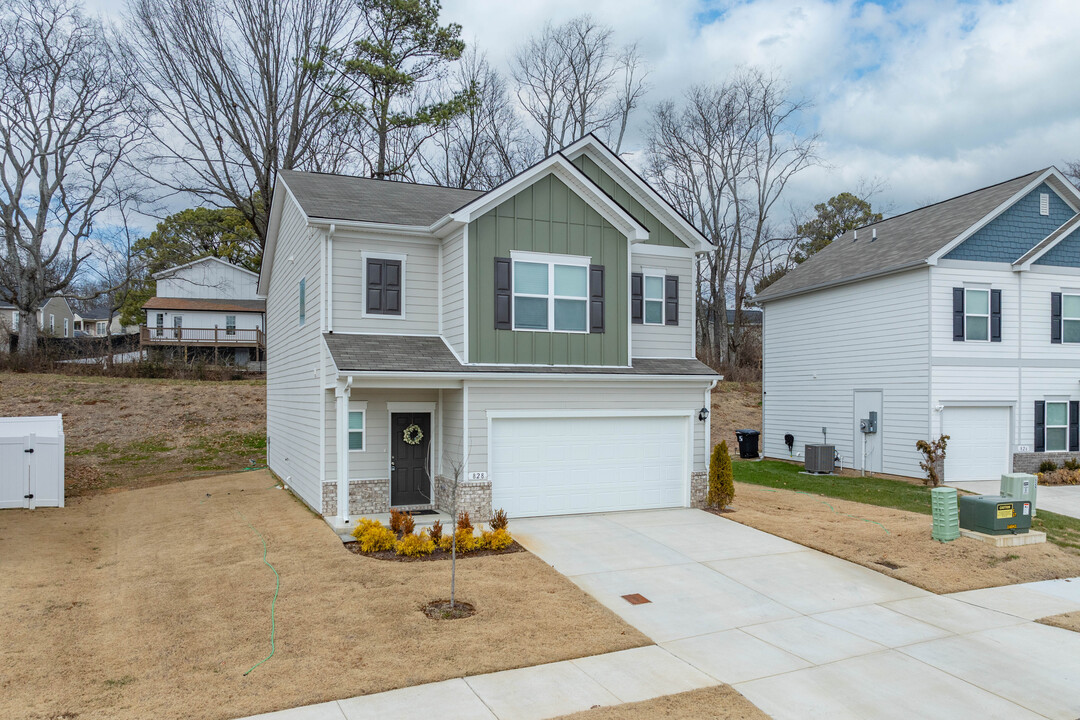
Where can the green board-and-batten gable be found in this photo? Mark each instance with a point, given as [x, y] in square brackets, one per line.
[659, 233]
[1016, 230]
[547, 216]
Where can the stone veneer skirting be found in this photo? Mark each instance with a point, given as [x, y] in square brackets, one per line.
[1029, 462]
[699, 489]
[474, 497]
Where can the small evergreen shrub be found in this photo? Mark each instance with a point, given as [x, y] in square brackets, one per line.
[411, 545]
[1072, 464]
[721, 478]
[363, 526]
[495, 539]
[463, 521]
[378, 538]
[436, 531]
[466, 541]
[1047, 466]
[499, 521]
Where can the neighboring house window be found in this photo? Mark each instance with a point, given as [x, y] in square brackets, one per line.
[1070, 318]
[101, 328]
[230, 324]
[160, 332]
[1057, 426]
[654, 297]
[15, 321]
[552, 294]
[303, 300]
[178, 325]
[356, 430]
[976, 314]
[384, 282]
[66, 327]
[52, 324]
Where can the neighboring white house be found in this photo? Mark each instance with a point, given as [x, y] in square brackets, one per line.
[95, 322]
[209, 308]
[960, 318]
[541, 335]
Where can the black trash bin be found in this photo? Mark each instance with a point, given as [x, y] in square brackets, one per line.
[748, 443]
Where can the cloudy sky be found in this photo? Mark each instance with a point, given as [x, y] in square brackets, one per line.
[933, 97]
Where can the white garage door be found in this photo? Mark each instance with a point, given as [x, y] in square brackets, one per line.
[556, 466]
[978, 443]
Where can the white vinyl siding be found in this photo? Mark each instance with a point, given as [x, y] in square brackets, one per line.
[666, 341]
[209, 279]
[420, 300]
[821, 347]
[453, 289]
[293, 394]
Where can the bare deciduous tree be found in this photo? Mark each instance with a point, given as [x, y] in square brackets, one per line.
[1072, 171]
[566, 81]
[67, 119]
[486, 145]
[724, 159]
[236, 91]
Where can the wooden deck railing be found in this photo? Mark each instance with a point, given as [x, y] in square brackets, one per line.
[208, 337]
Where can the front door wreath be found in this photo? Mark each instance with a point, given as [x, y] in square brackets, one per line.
[413, 434]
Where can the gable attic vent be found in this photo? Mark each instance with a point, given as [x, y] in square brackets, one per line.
[1044, 203]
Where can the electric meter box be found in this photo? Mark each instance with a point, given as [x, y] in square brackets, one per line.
[995, 514]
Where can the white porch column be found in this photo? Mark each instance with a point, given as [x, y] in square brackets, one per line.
[343, 393]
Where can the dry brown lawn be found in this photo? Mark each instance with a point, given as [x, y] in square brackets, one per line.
[716, 703]
[735, 406]
[857, 532]
[153, 603]
[122, 432]
[1069, 621]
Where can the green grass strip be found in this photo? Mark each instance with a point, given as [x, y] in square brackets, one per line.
[273, 602]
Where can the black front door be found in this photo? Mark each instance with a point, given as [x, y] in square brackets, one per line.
[410, 482]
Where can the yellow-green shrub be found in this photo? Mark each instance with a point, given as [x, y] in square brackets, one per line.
[378, 538]
[466, 541]
[496, 539]
[721, 480]
[415, 545]
[363, 526]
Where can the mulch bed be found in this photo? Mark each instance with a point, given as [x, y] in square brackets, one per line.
[441, 610]
[354, 547]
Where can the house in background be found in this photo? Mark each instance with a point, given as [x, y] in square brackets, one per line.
[960, 318]
[539, 337]
[206, 309]
[94, 322]
[55, 318]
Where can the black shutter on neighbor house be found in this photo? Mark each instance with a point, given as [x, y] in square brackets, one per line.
[671, 300]
[1055, 318]
[596, 298]
[995, 316]
[383, 287]
[958, 314]
[637, 298]
[504, 291]
[1040, 426]
[1074, 426]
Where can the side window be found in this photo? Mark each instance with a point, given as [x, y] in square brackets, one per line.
[551, 296]
[383, 285]
[15, 321]
[160, 325]
[52, 323]
[230, 324]
[654, 298]
[356, 430]
[976, 314]
[303, 300]
[101, 328]
[1057, 426]
[67, 327]
[1070, 318]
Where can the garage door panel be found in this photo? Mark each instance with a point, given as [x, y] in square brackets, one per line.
[592, 464]
[979, 443]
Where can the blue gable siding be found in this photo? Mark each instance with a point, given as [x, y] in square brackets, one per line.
[1015, 231]
[1065, 254]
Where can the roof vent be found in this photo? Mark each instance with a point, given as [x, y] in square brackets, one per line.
[1044, 203]
[856, 238]
[873, 235]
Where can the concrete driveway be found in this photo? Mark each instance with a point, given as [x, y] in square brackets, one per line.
[1061, 499]
[807, 635]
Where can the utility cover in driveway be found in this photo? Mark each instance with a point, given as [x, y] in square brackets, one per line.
[556, 466]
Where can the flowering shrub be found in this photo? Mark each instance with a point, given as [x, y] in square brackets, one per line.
[496, 539]
[411, 545]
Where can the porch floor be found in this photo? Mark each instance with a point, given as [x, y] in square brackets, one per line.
[422, 521]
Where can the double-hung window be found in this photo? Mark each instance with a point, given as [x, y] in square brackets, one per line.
[1057, 426]
[356, 430]
[160, 325]
[101, 328]
[654, 297]
[1070, 318]
[551, 292]
[15, 321]
[977, 314]
[230, 324]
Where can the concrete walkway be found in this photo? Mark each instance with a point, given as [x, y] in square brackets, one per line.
[806, 635]
[1061, 499]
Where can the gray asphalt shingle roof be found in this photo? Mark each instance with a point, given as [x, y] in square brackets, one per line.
[902, 242]
[410, 353]
[343, 197]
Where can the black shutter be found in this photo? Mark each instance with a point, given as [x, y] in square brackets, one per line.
[504, 291]
[995, 316]
[958, 314]
[374, 285]
[671, 299]
[1055, 318]
[1040, 426]
[596, 298]
[1074, 426]
[637, 298]
[392, 287]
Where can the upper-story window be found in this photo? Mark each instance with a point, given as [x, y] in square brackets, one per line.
[654, 297]
[384, 284]
[1070, 318]
[551, 293]
[976, 314]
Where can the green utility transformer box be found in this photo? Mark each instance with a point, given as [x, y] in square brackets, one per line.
[995, 514]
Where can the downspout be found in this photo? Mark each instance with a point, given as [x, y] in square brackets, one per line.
[330, 278]
[708, 421]
[343, 393]
[1017, 429]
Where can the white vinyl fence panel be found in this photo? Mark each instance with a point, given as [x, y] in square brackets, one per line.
[32, 462]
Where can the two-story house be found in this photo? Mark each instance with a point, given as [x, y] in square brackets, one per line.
[960, 318]
[55, 318]
[208, 308]
[539, 338]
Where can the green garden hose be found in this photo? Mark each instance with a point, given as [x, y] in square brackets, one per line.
[273, 602]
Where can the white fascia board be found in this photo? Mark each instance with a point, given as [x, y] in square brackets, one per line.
[368, 378]
[986, 219]
[639, 249]
[646, 195]
[281, 192]
[387, 228]
[563, 169]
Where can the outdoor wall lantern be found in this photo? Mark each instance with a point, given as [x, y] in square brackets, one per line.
[703, 414]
